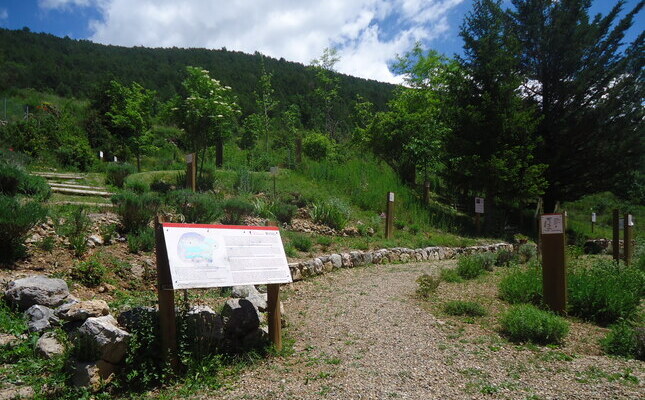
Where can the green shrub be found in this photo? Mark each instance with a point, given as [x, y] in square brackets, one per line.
[451, 275]
[108, 232]
[470, 267]
[247, 182]
[620, 340]
[317, 146]
[198, 208]
[137, 187]
[144, 366]
[414, 229]
[466, 308]
[605, 291]
[334, 213]
[10, 178]
[263, 208]
[90, 273]
[35, 186]
[160, 186]
[46, 244]
[290, 251]
[428, 285]
[505, 258]
[522, 285]
[235, 210]
[115, 174]
[16, 219]
[527, 323]
[136, 211]
[301, 242]
[284, 213]
[206, 180]
[526, 252]
[143, 240]
[324, 241]
[487, 260]
[75, 228]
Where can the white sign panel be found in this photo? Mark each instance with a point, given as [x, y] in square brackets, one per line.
[115, 159]
[593, 217]
[630, 220]
[100, 154]
[189, 158]
[479, 205]
[273, 170]
[551, 224]
[204, 256]
[390, 196]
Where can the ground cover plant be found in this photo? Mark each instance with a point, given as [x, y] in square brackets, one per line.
[428, 285]
[464, 308]
[527, 323]
[470, 267]
[522, 284]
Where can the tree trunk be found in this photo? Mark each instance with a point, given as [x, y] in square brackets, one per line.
[219, 153]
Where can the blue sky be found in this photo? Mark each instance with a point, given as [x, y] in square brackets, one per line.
[368, 33]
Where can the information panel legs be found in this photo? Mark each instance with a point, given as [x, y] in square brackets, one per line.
[275, 318]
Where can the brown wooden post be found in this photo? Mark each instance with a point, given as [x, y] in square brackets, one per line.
[191, 171]
[275, 318]
[615, 241]
[536, 215]
[478, 225]
[166, 296]
[389, 216]
[628, 235]
[426, 192]
[554, 271]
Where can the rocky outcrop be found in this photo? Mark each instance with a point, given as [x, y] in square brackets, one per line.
[26, 292]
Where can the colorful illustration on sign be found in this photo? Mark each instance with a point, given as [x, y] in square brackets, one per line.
[195, 248]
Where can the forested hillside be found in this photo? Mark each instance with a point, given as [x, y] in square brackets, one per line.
[76, 67]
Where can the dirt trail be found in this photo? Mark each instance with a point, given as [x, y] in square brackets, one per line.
[360, 334]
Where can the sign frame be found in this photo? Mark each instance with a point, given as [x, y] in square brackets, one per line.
[479, 205]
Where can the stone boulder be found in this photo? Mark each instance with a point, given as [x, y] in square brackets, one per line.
[93, 375]
[207, 327]
[27, 292]
[240, 317]
[242, 291]
[48, 346]
[135, 318]
[336, 261]
[83, 310]
[102, 336]
[41, 318]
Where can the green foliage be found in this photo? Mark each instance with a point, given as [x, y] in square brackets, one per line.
[115, 174]
[108, 232]
[333, 213]
[35, 186]
[505, 258]
[16, 219]
[235, 210]
[197, 208]
[301, 242]
[75, 227]
[621, 340]
[90, 273]
[160, 186]
[247, 182]
[317, 146]
[470, 267]
[137, 187]
[143, 240]
[522, 285]
[605, 292]
[428, 285]
[11, 322]
[487, 260]
[464, 308]
[526, 323]
[451, 276]
[10, 178]
[144, 366]
[284, 213]
[47, 244]
[527, 252]
[135, 211]
[290, 251]
[206, 180]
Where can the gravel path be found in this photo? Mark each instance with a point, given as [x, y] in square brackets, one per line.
[360, 334]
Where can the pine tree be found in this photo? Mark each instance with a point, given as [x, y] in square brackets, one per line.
[491, 150]
[589, 90]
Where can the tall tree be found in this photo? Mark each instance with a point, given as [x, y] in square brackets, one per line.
[491, 149]
[327, 90]
[266, 103]
[130, 115]
[408, 136]
[207, 113]
[589, 90]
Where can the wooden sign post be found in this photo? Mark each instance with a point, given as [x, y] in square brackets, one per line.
[191, 171]
[426, 192]
[389, 215]
[275, 318]
[166, 297]
[615, 241]
[479, 210]
[628, 235]
[554, 273]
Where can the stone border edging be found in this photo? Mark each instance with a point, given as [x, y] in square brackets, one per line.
[325, 264]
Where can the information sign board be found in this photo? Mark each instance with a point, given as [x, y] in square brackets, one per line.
[189, 158]
[101, 155]
[593, 217]
[390, 196]
[551, 224]
[273, 171]
[630, 220]
[204, 256]
[479, 205]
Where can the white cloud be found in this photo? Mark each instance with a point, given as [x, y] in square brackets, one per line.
[368, 33]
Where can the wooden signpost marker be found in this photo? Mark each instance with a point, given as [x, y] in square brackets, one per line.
[191, 171]
[479, 210]
[554, 273]
[628, 235]
[389, 216]
[426, 192]
[166, 296]
[615, 242]
[275, 318]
